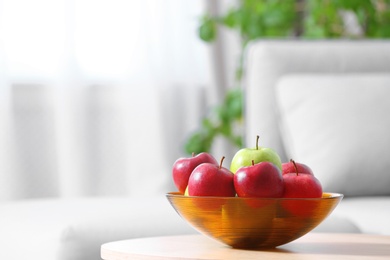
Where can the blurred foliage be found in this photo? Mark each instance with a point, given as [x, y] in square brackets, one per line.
[323, 19]
[255, 19]
[220, 122]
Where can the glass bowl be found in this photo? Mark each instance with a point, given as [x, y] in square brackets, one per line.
[253, 223]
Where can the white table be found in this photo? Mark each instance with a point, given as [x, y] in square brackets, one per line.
[311, 246]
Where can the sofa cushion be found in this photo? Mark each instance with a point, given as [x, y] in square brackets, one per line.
[76, 228]
[369, 214]
[267, 60]
[339, 126]
[337, 224]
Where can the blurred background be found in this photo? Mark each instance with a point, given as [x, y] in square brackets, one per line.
[98, 97]
[101, 97]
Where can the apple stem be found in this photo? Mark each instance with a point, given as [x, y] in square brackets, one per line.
[257, 142]
[295, 166]
[220, 164]
[193, 154]
[253, 162]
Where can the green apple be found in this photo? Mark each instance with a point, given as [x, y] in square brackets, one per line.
[258, 154]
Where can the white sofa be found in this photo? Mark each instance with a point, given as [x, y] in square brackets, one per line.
[325, 103]
[90, 169]
[74, 228]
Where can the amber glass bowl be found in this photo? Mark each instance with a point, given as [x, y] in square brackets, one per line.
[253, 223]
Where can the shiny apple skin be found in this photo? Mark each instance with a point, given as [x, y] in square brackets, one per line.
[183, 167]
[245, 156]
[288, 167]
[209, 179]
[262, 180]
[301, 185]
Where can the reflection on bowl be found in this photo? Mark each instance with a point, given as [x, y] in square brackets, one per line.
[253, 223]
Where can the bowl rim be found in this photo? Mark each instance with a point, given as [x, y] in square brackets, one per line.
[325, 196]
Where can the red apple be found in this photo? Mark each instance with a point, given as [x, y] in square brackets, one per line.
[263, 180]
[209, 179]
[183, 167]
[289, 167]
[301, 185]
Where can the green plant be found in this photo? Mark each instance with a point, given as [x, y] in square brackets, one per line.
[221, 121]
[254, 19]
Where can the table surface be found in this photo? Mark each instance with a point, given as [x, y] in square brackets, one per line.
[311, 246]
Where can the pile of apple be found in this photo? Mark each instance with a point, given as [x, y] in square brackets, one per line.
[254, 172]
